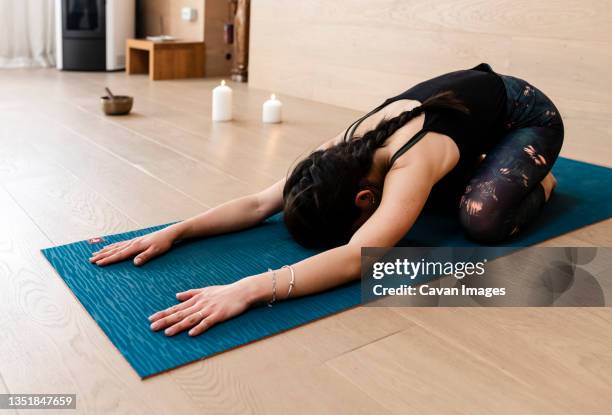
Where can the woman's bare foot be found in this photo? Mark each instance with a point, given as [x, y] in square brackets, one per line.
[549, 183]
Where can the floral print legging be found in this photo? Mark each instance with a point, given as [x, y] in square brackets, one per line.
[505, 193]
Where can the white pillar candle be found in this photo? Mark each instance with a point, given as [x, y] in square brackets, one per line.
[271, 110]
[222, 103]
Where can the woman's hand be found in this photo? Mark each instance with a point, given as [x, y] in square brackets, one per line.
[202, 308]
[144, 248]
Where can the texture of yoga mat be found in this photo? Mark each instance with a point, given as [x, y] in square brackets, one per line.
[120, 297]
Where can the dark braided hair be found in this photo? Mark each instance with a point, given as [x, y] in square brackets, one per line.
[319, 194]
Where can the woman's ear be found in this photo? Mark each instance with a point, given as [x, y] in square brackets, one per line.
[365, 199]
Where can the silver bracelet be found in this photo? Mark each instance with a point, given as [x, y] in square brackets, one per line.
[292, 282]
[273, 300]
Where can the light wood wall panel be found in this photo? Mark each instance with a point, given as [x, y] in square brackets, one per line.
[152, 10]
[355, 53]
[208, 27]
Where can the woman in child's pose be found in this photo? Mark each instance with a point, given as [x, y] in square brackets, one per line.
[473, 140]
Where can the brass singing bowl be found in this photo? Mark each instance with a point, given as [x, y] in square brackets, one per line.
[117, 105]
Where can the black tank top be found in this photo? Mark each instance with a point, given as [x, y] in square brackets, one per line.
[480, 89]
[483, 92]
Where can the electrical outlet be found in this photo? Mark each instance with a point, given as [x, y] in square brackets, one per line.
[189, 14]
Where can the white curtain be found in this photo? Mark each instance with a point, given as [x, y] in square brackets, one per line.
[27, 36]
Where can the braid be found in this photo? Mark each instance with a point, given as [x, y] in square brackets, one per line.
[364, 147]
[319, 194]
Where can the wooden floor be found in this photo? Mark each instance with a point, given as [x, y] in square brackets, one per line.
[68, 173]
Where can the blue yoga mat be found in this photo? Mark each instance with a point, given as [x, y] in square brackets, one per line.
[120, 297]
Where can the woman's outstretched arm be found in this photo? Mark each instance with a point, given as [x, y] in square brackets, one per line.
[231, 216]
[234, 215]
[406, 191]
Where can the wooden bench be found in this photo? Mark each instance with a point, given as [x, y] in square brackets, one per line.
[165, 60]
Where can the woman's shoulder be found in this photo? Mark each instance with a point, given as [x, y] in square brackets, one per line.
[436, 151]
